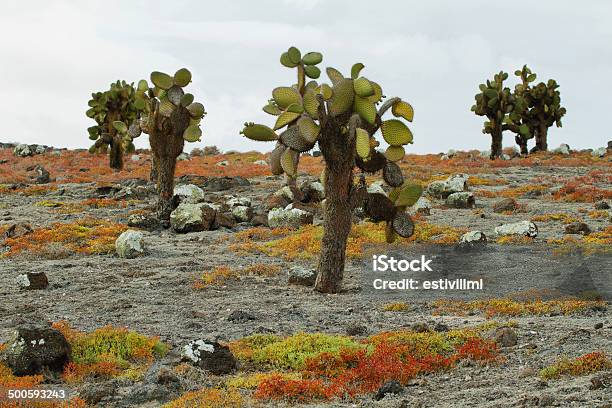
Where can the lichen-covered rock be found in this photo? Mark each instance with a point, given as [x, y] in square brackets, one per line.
[563, 149]
[376, 188]
[289, 193]
[189, 217]
[463, 199]
[299, 275]
[602, 205]
[32, 280]
[422, 206]
[238, 201]
[473, 238]
[23, 150]
[526, 228]
[313, 192]
[505, 337]
[599, 152]
[142, 221]
[130, 244]
[242, 213]
[32, 349]
[210, 356]
[183, 156]
[292, 218]
[224, 219]
[260, 162]
[188, 193]
[443, 188]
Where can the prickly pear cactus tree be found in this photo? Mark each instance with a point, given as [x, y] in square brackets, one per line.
[115, 112]
[342, 118]
[170, 117]
[542, 106]
[518, 121]
[495, 102]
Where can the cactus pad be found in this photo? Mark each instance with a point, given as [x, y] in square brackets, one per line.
[395, 153]
[404, 110]
[285, 96]
[334, 75]
[293, 139]
[362, 143]
[196, 110]
[192, 133]
[392, 174]
[343, 96]
[286, 61]
[356, 69]
[396, 133]
[289, 161]
[363, 87]
[375, 163]
[162, 80]
[312, 71]
[312, 58]
[365, 109]
[309, 130]
[379, 207]
[311, 104]
[402, 224]
[260, 133]
[284, 119]
[406, 195]
[275, 159]
[182, 77]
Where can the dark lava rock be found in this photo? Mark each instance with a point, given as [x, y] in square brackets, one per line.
[38, 174]
[441, 327]
[299, 275]
[142, 221]
[33, 280]
[577, 228]
[390, 387]
[224, 219]
[259, 220]
[354, 329]
[240, 316]
[506, 204]
[505, 337]
[210, 356]
[602, 205]
[224, 183]
[32, 348]
[18, 230]
[93, 393]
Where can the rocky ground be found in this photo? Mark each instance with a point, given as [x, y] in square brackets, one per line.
[154, 294]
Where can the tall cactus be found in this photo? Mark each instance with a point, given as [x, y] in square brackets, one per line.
[115, 112]
[519, 121]
[342, 118]
[495, 102]
[170, 117]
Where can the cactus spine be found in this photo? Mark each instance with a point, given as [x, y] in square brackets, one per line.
[115, 112]
[170, 117]
[342, 118]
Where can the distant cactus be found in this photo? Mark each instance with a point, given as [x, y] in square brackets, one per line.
[115, 112]
[170, 117]
[495, 102]
[342, 118]
[542, 108]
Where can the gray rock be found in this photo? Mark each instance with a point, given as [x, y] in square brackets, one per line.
[223, 163]
[299, 275]
[130, 244]
[391, 387]
[313, 192]
[599, 152]
[210, 356]
[464, 199]
[444, 157]
[240, 316]
[485, 153]
[473, 238]
[224, 219]
[293, 218]
[38, 149]
[289, 193]
[188, 193]
[135, 158]
[32, 348]
[32, 281]
[22, 150]
[443, 188]
[422, 206]
[183, 156]
[602, 205]
[260, 162]
[189, 217]
[451, 153]
[96, 392]
[242, 213]
[526, 228]
[376, 187]
[505, 157]
[142, 221]
[238, 201]
[563, 149]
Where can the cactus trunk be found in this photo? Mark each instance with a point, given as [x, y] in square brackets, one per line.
[154, 170]
[522, 142]
[496, 142]
[541, 136]
[165, 186]
[116, 154]
[339, 160]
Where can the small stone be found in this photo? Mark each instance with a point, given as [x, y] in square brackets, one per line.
[259, 220]
[142, 221]
[505, 204]
[391, 387]
[376, 187]
[473, 238]
[33, 281]
[242, 213]
[577, 228]
[356, 330]
[462, 199]
[526, 228]
[96, 392]
[505, 337]
[192, 217]
[223, 163]
[240, 316]
[210, 356]
[299, 275]
[598, 325]
[18, 230]
[454, 184]
[422, 206]
[293, 218]
[420, 327]
[563, 149]
[602, 205]
[599, 152]
[440, 327]
[313, 192]
[22, 150]
[224, 219]
[130, 244]
[188, 193]
[260, 162]
[135, 158]
[238, 201]
[183, 156]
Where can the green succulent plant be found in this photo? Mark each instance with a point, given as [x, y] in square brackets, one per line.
[115, 112]
[496, 103]
[342, 118]
[170, 117]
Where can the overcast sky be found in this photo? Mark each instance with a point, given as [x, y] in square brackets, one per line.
[433, 54]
